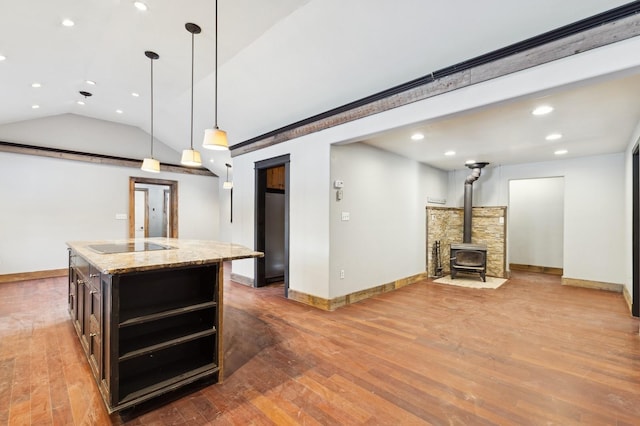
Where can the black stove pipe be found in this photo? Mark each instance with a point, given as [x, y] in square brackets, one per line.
[476, 170]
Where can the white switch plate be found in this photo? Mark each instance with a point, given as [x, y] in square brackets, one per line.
[501, 220]
[345, 216]
[121, 216]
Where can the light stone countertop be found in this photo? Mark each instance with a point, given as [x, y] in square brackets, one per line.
[181, 253]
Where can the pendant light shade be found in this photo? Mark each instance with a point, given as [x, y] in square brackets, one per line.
[227, 183]
[151, 164]
[191, 157]
[215, 138]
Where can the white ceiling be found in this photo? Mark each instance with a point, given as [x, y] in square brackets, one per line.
[285, 60]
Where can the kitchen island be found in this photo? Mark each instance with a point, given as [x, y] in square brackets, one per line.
[148, 313]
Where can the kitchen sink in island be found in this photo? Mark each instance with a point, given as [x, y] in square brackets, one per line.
[148, 313]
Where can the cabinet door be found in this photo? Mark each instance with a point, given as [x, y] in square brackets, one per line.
[94, 331]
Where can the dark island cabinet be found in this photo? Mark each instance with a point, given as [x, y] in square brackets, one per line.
[146, 333]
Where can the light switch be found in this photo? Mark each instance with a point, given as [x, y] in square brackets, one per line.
[345, 216]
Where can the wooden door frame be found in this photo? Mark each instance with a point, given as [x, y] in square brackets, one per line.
[635, 250]
[259, 231]
[173, 187]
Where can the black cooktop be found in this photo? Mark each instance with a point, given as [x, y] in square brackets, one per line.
[127, 247]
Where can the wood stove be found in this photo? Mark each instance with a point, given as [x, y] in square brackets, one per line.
[468, 257]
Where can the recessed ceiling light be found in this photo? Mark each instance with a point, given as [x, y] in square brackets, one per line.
[135, 95]
[2, 57]
[561, 152]
[35, 106]
[90, 82]
[211, 160]
[417, 137]
[140, 5]
[68, 23]
[554, 136]
[470, 162]
[80, 102]
[542, 110]
[450, 153]
[119, 111]
[36, 85]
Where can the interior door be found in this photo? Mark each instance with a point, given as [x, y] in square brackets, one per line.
[141, 213]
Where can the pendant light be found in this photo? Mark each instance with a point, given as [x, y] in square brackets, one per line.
[151, 164]
[227, 183]
[215, 138]
[191, 157]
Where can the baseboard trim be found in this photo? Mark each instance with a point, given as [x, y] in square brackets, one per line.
[241, 279]
[627, 298]
[539, 269]
[36, 275]
[597, 285]
[337, 302]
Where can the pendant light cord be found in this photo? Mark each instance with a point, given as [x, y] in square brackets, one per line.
[192, 42]
[215, 65]
[151, 59]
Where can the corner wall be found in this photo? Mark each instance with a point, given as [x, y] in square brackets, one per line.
[384, 238]
[594, 219]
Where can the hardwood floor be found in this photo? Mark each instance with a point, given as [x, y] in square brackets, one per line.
[532, 352]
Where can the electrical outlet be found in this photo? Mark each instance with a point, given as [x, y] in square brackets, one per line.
[345, 216]
[342, 274]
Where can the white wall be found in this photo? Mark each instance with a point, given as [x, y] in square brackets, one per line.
[84, 134]
[308, 211]
[47, 201]
[384, 239]
[311, 193]
[594, 220]
[536, 222]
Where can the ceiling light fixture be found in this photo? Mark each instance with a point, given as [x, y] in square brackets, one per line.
[215, 138]
[119, 111]
[36, 85]
[151, 164]
[135, 95]
[554, 136]
[542, 110]
[191, 157]
[68, 23]
[470, 162]
[227, 183]
[2, 58]
[140, 6]
[90, 82]
[35, 106]
[561, 152]
[417, 137]
[450, 153]
[85, 94]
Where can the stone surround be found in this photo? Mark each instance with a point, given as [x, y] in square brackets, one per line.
[445, 224]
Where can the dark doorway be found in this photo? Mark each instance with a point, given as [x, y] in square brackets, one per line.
[272, 221]
[635, 304]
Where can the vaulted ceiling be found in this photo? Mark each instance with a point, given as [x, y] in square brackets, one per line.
[285, 60]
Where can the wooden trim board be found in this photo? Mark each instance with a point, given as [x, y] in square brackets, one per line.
[337, 302]
[627, 298]
[539, 269]
[597, 285]
[37, 275]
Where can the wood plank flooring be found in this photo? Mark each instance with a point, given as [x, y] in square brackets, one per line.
[532, 352]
